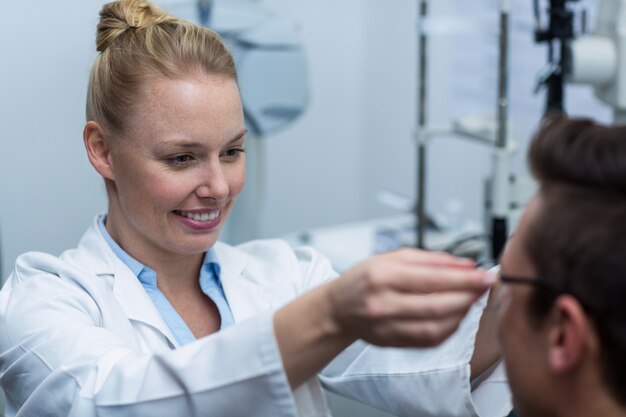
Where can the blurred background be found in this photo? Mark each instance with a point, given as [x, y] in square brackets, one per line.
[333, 145]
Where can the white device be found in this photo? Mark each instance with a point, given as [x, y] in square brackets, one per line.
[599, 58]
[273, 80]
[270, 60]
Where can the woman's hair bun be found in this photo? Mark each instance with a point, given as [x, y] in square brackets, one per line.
[119, 16]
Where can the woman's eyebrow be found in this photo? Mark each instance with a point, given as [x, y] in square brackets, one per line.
[239, 136]
[190, 144]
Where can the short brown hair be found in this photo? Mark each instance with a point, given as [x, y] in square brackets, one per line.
[578, 238]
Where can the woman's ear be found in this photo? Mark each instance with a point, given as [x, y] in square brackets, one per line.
[570, 336]
[97, 146]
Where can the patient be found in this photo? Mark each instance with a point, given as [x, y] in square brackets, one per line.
[563, 295]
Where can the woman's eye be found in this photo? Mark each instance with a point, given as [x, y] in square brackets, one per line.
[178, 159]
[234, 153]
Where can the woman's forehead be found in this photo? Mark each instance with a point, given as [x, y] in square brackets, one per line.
[188, 108]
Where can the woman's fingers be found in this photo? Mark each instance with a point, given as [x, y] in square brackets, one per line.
[404, 306]
[407, 333]
[406, 298]
[417, 320]
[427, 278]
[421, 257]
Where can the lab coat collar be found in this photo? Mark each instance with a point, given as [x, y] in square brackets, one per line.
[94, 254]
[245, 294]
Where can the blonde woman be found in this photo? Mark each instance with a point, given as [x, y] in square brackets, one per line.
[151, 316]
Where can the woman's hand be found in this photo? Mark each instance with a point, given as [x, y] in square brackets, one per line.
[404, 298]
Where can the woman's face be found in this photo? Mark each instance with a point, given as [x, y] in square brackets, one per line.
[179, 165]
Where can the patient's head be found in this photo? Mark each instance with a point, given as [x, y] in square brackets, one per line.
[564, 330]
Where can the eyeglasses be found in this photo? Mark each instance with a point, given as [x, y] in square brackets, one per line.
[535, 282]
[506, 280]
[541, 284]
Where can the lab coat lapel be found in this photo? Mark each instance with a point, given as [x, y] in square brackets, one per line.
[135, 302]
[246, 297]
[94, 254]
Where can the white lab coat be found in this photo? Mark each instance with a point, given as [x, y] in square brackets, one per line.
[79, 336]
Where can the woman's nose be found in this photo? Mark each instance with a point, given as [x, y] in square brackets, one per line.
[214, 184]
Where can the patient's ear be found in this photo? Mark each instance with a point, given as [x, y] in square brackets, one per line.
[569, 335]
[97, 146]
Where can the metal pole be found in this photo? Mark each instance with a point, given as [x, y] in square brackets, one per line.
[501, 158]
[503, 77]
[420, 208]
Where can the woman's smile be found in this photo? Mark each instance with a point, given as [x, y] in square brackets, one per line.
[206, 219]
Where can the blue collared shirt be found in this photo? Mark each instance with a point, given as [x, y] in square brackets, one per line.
[210, 283]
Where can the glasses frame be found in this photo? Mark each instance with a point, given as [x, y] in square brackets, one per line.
[546, 286]
[534, 282]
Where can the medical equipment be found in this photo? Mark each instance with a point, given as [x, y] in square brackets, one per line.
[420, 134]
[270, 60]
[497, 135]
[273, 81]
[599, 58]
[205, 7]
[501, 155]
[557, 34]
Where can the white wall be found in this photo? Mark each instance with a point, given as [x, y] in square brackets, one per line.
[48, 192]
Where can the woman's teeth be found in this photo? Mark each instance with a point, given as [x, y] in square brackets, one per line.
[199, 217]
